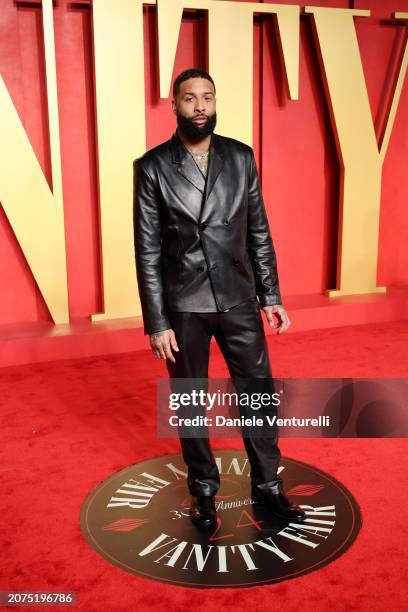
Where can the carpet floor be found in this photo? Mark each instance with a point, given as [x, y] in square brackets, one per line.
[67, 425]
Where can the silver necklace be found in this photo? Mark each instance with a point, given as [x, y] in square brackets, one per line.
[199, 155]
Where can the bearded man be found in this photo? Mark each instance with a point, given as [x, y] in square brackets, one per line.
[206, 266]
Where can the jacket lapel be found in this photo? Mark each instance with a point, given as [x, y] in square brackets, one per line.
[186, 164]
[215, 165]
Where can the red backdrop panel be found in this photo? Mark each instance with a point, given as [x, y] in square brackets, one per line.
[293, 142]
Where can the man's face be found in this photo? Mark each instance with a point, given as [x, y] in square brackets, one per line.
[194, 106]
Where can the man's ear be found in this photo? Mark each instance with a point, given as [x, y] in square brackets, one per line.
[173, 106]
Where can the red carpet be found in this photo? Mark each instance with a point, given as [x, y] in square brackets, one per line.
[69, 424]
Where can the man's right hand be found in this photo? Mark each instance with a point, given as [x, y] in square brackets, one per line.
[162, 344]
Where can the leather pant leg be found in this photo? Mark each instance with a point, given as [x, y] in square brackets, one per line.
[241, 337]
[193, 334]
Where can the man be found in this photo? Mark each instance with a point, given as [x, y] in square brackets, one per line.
[204, 257]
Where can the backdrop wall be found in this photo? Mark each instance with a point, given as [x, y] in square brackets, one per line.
[293, 141]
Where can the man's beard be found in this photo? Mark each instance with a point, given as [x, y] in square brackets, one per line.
[194, 131]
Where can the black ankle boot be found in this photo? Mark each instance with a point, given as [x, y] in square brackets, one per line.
[271, 496]
[202, 510]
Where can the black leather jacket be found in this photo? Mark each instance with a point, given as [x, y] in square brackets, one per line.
[188, 232]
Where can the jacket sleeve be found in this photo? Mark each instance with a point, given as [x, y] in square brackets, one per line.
[260, 244]
[147, 241]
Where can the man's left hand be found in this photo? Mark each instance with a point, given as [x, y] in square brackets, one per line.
[281, 316]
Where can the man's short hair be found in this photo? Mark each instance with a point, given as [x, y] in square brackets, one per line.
[189, 74]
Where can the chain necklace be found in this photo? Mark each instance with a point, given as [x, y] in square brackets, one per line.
[199, 155]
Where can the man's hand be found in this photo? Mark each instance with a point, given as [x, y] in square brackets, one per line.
[162, 343]
[281, 315]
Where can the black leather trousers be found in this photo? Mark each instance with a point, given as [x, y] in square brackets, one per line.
[240, 335]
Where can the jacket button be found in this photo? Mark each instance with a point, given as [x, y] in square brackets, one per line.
[213, 266]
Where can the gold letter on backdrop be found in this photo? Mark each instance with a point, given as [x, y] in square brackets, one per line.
[120, 110]
[230, 43]
[361, 160]
[35, 212]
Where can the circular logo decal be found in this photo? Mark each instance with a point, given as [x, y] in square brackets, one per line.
[138, 519]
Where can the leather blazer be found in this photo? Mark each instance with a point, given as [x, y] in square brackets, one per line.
[189, 231]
